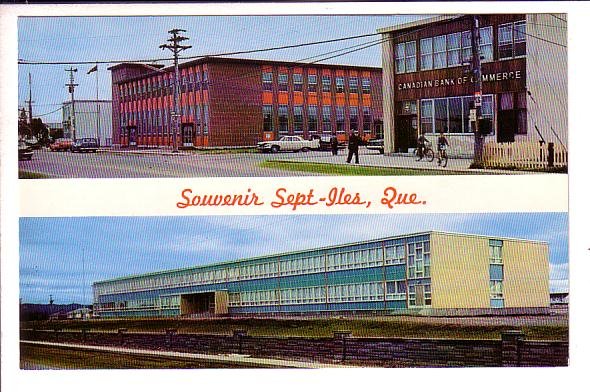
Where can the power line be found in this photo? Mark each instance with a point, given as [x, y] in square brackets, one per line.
[558, 18]
[30, 62]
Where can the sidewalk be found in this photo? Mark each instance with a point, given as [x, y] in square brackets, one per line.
[399, 161]
[227, 358]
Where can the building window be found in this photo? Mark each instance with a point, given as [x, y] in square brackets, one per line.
[267, 118]
[395, 254]
[339, 84]
[440, 52]
[486, 44]
[453, 49]
[267, 81]
[312, 118]
[511, 40]
[326, 119]
[353, 85]
[451, 115]
[426, 54]
[283, 82]
[405, 57]
[354, 118]
[366, 119]
[496, 274]
[205, 119]
[466, 53]
[395, 290]
[297, 82]
[340, 119]
[419, 260]
[298, 119]
[312, 83]
[326, 83]
[283, 119]
[366, 85]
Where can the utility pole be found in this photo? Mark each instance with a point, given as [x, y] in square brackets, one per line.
[71, 87]
[476, 71]
[30, 102]
[175, 48]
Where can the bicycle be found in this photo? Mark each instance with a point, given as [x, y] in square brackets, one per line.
[427, 153]
[442, 158]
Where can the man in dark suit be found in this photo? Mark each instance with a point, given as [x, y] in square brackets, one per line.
[354, 141]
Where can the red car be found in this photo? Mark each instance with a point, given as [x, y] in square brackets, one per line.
[62, 144]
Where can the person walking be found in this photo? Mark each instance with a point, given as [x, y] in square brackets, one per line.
[334, 143]
[353, 146]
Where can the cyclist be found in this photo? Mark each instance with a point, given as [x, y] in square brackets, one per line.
[442, 144]
[421, 145]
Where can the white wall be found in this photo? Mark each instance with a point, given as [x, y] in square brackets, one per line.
[86, 120]
[547, 106]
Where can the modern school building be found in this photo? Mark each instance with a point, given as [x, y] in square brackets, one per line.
[417, 273]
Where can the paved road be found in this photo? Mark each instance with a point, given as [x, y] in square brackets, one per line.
[153, 164]
[160, 164]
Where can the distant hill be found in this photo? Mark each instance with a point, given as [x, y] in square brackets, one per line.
[29, 312]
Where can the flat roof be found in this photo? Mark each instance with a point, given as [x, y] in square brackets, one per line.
[215, 264]
[419, 23]
[218, 59]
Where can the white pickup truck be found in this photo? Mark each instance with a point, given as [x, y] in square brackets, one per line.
[288, 143]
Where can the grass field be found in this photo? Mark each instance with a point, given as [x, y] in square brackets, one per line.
[344, 170]
[38, 357]
[534, 327]
[30, 175]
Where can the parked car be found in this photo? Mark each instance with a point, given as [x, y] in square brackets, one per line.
[325, 144]
[61, 144]
[376, 144]
[87, 144]
[288, 143]
[25, 153]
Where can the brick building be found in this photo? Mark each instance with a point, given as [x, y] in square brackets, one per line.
[429, 86]
[238, 102]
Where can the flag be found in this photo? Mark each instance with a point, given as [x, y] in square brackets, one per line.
[93, 69]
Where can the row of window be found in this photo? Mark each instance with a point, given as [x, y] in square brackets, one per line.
[160, 122]
[297, 120]
[164, 85]
[418, 266]
[496, 274]
[455, 49]
[370, 291]
[451, 115]
[312, 83]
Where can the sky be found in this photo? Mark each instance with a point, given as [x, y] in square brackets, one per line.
[61, 257]
[57, 39]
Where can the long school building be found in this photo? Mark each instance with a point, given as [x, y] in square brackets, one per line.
[239, 102]
[412, 273]
[429, 87]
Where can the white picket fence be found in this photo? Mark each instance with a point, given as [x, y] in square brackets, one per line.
[525, 155]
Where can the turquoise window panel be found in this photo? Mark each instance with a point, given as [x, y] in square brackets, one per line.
[289, 282]
[395, 272]
[496, 272]
[355, 276]
[497, 303]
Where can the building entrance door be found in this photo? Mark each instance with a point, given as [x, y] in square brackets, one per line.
[187, 135]
[132, 131]
[406, 133]
[507, 125]
[419, 295]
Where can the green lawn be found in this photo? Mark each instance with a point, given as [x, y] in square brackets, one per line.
[535, 327]
[31, 175]
[352, 170]
[66, 358]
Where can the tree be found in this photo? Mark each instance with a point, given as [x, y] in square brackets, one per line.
[24, 131]
[40, 132]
